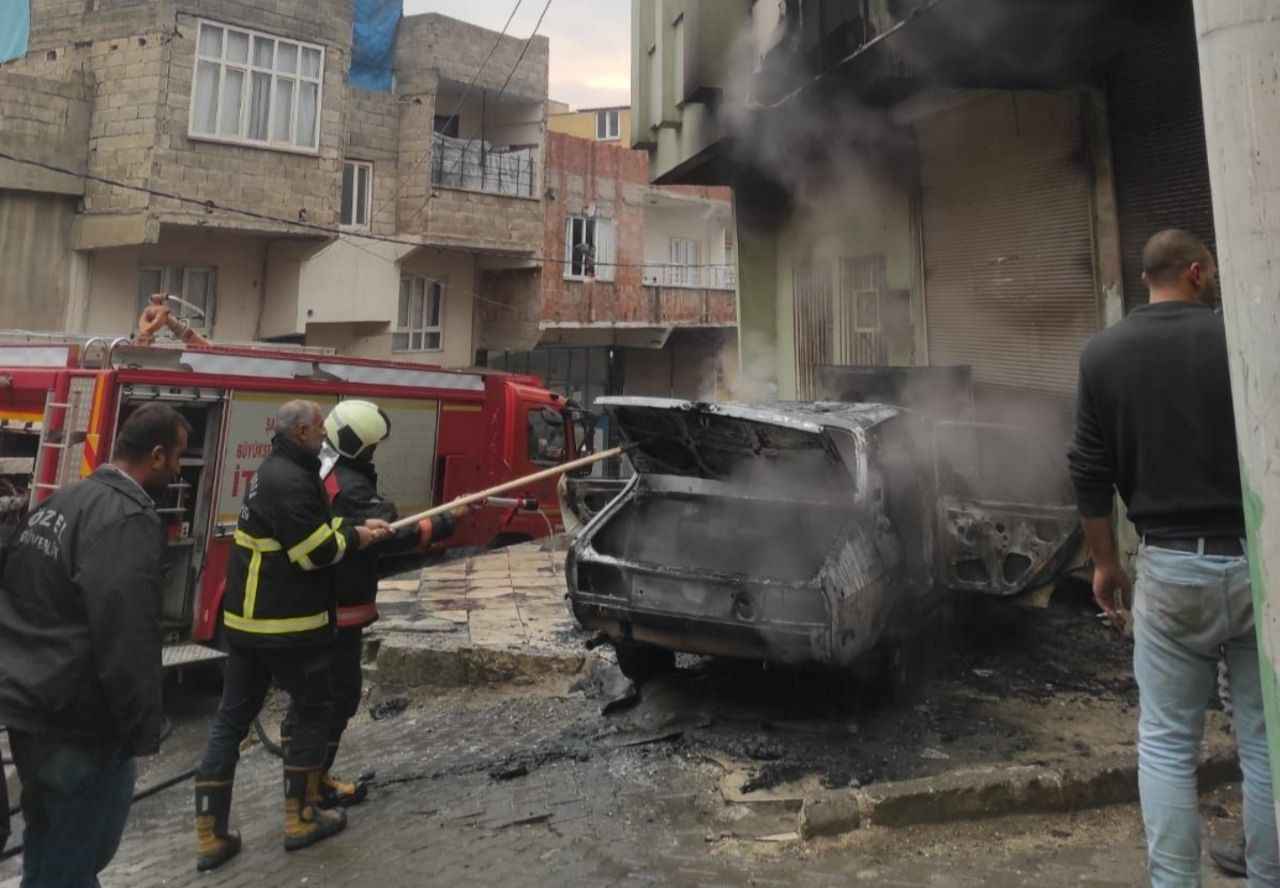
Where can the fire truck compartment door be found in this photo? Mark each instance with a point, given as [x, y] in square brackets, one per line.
[250, 427]
[406, 461]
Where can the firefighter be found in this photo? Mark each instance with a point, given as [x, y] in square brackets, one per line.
[278, 622]
[354, 429]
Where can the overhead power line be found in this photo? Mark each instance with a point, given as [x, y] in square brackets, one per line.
[302, 225]
[510, 74]
[456, 111]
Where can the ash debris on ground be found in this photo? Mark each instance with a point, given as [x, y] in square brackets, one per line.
[785, 725]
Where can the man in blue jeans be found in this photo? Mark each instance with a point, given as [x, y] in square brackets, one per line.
[80, 673]
[1154, 423]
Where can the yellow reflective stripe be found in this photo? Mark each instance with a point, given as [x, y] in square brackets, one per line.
[251, 583]
[258, 544]
[275, 627]
[298, 554]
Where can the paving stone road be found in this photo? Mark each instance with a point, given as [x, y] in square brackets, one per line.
[585, 815]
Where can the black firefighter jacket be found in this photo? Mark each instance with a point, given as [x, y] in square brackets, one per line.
[280, 588]
[354, 486]
[80, 618]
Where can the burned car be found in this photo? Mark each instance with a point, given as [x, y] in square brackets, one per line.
[815, 533]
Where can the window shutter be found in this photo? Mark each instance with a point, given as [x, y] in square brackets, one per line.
[568, 247]
[606, 269]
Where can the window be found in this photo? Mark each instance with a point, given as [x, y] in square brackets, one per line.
[446, 125]
[589, 249]
[195, 286]
[546, 438]
[357, 193]
[419, 322]
[607, 125]
[685, 269]
[255, 89]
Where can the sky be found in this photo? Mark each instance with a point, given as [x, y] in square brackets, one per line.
[590, 41]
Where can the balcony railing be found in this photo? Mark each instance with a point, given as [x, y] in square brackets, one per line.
[693, 277]
[476, 165]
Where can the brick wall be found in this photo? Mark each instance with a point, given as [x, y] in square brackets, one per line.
[138, 58]
[507, 310]
[483, 220]
[46, 120]
[582, 173]
[292, 185]
[413, 165]
[431, 44]
[373, 134]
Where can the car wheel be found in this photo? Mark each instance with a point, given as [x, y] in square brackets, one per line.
[640, 662]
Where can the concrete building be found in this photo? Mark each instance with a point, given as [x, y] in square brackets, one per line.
[252, 106]
[637, 288]
[920, 183]
[611, 124]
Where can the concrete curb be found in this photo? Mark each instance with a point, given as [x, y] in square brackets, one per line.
[458, 667]
[993, 792]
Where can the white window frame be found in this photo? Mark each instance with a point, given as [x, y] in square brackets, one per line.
[611, 133]
[430, 287]
[604, 249]
[249, 68]
[357, 166]
[174, 279]
[686, 262]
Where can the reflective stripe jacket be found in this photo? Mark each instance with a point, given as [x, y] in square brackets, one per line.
[280, 590]
[353, 486]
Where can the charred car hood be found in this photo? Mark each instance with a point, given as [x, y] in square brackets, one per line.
[789, 447]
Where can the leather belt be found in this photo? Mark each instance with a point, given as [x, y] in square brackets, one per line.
[1222, 546]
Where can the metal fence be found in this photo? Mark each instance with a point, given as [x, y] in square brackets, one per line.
[478, 166]
[698, 277]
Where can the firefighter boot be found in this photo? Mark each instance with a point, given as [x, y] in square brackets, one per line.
[305, 822]
[215, 844]
[335, 793]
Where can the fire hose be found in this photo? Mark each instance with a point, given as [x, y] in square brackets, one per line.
[490, 495]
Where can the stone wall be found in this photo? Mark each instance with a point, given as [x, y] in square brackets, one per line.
[373, 134]
[434, 45]
[46, 120]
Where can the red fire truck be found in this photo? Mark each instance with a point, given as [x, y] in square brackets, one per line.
[453, 432]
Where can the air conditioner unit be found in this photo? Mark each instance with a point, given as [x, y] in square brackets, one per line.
[651, 277]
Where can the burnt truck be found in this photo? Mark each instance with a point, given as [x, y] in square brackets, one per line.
[808, 533]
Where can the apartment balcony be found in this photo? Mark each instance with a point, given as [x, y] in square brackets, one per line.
[709, 277]
[486, 188]
[472, 165]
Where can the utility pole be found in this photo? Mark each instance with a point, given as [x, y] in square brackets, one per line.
[1240, 79]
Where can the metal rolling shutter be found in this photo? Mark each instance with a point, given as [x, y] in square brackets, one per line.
[1008, 235]
[1157, 140]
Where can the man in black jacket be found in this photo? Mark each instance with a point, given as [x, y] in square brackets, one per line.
[354, 430]
[80, 672]
[278, 616]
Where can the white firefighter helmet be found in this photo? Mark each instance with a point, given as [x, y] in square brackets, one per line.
[352, 427]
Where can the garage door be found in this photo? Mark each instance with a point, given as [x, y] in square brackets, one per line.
[1009, 271]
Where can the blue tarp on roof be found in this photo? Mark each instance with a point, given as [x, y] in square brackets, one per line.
[373, 41]
[15, 28]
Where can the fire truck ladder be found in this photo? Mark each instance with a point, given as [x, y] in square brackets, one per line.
[64, 429]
